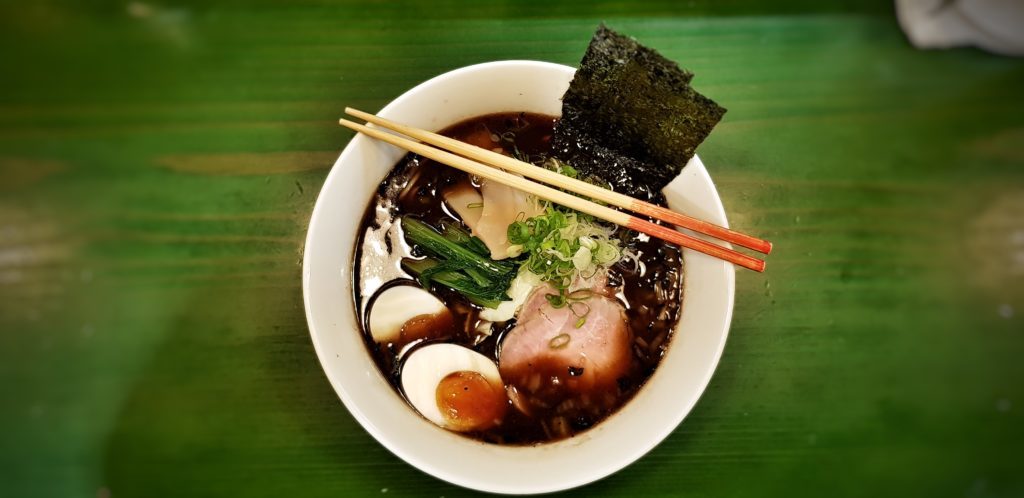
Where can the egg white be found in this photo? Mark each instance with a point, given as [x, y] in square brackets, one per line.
[395, 306]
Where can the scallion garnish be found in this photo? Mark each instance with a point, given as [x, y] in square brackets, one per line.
[579, 309]
[559, 341]
[562, 244]
[555, 300]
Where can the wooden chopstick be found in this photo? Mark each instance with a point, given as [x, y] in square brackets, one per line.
[580, 187]
[559, 197]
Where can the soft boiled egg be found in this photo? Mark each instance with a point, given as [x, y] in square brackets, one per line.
[454, 387]
[404, 313]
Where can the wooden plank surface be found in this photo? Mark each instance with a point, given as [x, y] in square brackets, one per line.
[158, 165]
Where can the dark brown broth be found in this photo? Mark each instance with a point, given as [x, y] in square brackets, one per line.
[651, 294]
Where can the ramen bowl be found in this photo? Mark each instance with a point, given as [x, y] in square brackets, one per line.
[327, 283]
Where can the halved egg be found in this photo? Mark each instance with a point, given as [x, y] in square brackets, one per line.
[454, 387]
[404, 313]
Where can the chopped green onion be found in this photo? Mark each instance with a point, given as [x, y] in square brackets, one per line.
[555, 300]
[573, 307]
[580, 295]
[559, 341]
[515, 250]
[520, 155]
[560, 167]
[562, 244]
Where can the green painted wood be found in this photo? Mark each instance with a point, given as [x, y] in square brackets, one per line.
[158, 165]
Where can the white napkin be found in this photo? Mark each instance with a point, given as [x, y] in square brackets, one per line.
[993, 25]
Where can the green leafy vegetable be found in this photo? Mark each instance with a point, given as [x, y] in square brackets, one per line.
[455, 233]
[459, 261]
[431, 270]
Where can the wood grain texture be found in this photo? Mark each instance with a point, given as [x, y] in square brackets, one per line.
[152, 339]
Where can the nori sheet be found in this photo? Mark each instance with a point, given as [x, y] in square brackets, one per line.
[630, 116]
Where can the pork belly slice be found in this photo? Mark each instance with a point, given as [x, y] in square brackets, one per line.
[552, 352]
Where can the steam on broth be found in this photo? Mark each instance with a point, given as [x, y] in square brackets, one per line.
[550, 320]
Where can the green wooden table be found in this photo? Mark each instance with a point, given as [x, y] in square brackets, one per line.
[159, 162]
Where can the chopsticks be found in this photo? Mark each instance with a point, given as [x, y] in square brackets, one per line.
[490, 172]
[559, 180]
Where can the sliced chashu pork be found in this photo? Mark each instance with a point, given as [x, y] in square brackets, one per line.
[547, 354]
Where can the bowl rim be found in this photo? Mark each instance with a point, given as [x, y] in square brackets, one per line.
[716, 212]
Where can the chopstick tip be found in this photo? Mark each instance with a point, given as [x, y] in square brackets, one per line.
[350, 124]
[352, 111]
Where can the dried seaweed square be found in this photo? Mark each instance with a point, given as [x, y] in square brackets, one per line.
[630, 116]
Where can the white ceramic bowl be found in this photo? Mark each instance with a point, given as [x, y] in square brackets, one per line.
[327, 288]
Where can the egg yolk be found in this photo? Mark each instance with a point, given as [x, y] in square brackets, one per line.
[469, 402]
[427, 327]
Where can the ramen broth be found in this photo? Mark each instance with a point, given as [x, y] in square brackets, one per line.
[649, 288]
